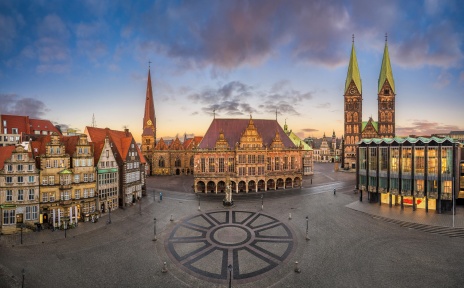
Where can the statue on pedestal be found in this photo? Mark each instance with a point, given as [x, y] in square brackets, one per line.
[228, 199]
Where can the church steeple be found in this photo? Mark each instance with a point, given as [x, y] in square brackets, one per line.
[386, 72]
[149, 119]
[353, 72]
[149, 124]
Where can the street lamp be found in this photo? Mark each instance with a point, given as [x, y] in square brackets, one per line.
[154, 239]
[307, 227]
[230, 275]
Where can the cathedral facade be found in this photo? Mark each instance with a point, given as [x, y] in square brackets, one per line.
[355, 128]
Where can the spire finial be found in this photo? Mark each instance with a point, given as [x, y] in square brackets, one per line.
[276, 114]
[149, 62]
[352, 37]
[386, 37]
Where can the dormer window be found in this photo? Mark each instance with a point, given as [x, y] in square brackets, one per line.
[386, 91]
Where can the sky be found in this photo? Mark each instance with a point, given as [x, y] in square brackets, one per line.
[70, 61]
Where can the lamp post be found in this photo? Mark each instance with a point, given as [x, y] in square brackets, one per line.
[262, 201]
[307, 227]
[154, 239]
[230, 275]
[199, 207]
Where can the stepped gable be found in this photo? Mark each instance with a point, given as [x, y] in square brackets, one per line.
[176, 145]
[234, 128]
[161, 145]
[70, 143]
[5, 153]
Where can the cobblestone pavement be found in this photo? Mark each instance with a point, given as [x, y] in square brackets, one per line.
[346, 248]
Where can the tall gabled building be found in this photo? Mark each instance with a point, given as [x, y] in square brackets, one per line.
[354, 128]
[149, 126]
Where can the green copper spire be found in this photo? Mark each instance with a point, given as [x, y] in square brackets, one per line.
[353, 71]
[386, 72]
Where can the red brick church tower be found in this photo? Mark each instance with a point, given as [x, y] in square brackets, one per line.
[149, 125]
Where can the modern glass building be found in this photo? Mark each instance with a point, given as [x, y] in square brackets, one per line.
[419, 172]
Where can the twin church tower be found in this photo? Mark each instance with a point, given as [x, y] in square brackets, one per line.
[354, 127]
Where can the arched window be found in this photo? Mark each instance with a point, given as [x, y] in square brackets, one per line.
[191, 161]
[177, 163]
[161, 162]
[355, 117]
[348, 117]
[382, 117]
[389, 117]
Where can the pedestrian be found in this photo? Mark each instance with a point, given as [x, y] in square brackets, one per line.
[334, 191]
[161, 196]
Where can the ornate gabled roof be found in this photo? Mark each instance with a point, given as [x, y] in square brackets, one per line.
[161, 145]
[234, 128]
[176, 145]
[353, 72]
[374, 124]
[386, 72]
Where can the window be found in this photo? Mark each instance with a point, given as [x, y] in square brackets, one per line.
[65, 195]
[251, 171]
[260, 159]
[55, 163]
[9, 195]
[20, 195]
[77, 193]
[9, 179]
[406, 160]
[30, 167]
[383, 158]
[9, 217]
[269, 164]
[9, 168]
[52, 197]
[91, 192]
[45, 197]
[203, 165]
[242, 159]
[77, 178]
[277, 163]
[20, 179]
[91, 177]
[161, 162]
[86, 178]
[86, 193]
[221, 165]
[251, 159]
[31, 213]
[292, 162]
[107, 153]
[45, 180]
[231, 165]
[177, 163]
[20, 157]
[261, 170]
[211, 165]
[31, 179]
[285, 163]
[31, 194]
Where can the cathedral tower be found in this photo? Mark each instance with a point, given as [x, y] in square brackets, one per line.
[386, 97]
[149, 124]
[353, 110]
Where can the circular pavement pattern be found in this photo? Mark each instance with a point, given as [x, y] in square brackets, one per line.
[253, 243]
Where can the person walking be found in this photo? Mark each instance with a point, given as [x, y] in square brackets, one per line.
[334, 191]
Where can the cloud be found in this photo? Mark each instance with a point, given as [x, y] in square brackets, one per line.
[461, 77]
[310, 130]
[13, 104]
[425, 128]
[236, 98]
[325, 105]
[90, 38]
[443, 79]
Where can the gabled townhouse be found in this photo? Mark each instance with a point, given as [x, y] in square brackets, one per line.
[129, 159]
[67, 179]
[19, 189]
[107, 176]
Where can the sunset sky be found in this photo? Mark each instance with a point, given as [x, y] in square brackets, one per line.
[68, 60]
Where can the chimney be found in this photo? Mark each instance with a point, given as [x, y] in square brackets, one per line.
[126, 130]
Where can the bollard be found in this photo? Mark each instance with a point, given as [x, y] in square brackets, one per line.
[297, 269]
[171, 218]
[165, 268]
[289, 216]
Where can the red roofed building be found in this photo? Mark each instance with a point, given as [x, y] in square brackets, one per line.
[248, 155]
[19, 189]
[13, 127]
[130, 161]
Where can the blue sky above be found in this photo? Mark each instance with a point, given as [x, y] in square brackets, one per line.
[67, 60]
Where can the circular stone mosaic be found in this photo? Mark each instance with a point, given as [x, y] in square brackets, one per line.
[253, 243]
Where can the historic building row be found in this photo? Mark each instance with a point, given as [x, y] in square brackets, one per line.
[325, 149]
[67, 179]
[419, 172]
